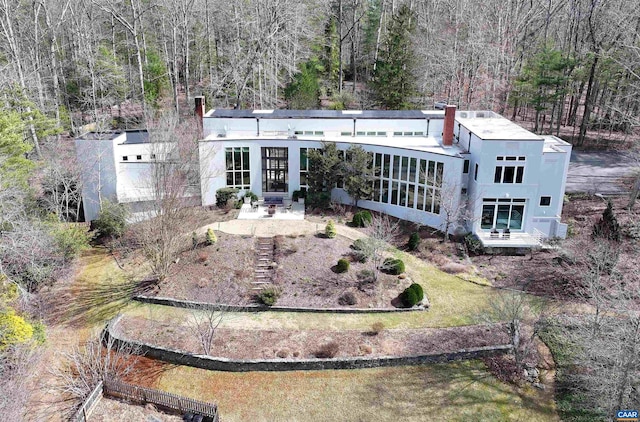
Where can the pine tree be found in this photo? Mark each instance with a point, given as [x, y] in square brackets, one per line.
[393, 81]
[607, 227]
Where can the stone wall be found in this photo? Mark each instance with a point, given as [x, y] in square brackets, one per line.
[232, 365]
[262, 308]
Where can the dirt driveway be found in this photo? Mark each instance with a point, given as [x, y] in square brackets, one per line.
[598, 172]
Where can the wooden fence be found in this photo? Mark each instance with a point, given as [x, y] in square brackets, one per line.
[82, 415]
[160, 398]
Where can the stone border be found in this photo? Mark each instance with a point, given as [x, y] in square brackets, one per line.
[245, 365]
[167, 301]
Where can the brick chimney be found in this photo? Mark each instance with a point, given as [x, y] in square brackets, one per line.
[449, 121]
[199, 111]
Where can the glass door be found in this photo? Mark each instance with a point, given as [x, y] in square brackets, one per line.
[275, 169]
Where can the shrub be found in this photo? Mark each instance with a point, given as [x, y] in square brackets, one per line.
[393, 266]
[194, 240]
[412, 295]
[330, 230]
[224, 195]
[112, 220]
[13, 329]
[418, 290]
[414, 241]
[362, 218]
[71, 239]
[297, 194]
[359, 247]
[320, 200]
[328, 350]
[347, 298]
[251, 195]
[365, 276]
[211, 237]
[474, 245]
[269, 296]
[343, 266]
[408, 297]
[607, 227]
[377, 328]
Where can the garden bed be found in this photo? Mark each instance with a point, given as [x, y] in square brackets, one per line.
[305, 344]
[305, 274]
[221, 272]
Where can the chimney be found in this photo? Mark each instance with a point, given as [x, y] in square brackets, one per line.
[449, 121]
[199, 111]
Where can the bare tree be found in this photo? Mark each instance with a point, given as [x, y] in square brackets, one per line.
[381, 232]
[99, 359]
[203, 322]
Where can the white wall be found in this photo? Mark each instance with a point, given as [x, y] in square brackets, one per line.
[452, 173]
[98, 170]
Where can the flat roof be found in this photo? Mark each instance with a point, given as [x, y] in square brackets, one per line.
[139, 136]
[495, 127]
[324, 114]
[412, 143]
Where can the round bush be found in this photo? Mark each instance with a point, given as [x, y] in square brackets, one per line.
[393, 266]
[408, 297]
[418, 291]
[361, 219]
[269, 296]
[414, 242]
[347, 298]
[343, 266]
[330, 230]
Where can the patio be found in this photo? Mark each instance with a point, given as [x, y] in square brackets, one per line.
[258, 211]
[512, 240]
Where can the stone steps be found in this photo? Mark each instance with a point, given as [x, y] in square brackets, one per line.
[263, 271]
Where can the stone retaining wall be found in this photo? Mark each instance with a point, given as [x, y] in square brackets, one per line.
[232, 365]
[262, 308]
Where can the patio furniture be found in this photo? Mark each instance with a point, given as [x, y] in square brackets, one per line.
[494, 234]
[506, 234]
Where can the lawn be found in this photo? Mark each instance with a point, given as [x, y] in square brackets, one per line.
[462, 391]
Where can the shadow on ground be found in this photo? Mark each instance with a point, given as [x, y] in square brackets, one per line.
[87, 303]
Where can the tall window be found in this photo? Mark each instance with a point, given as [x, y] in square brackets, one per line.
[304, 168]
[502, 213]
[275, 169]
[238, 172]
[509, 170]
[408, 182]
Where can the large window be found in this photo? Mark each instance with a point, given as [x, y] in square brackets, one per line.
[509, 170]
[275, 169]
[502, 213]
[408, 182]
[304, 168]
[238, 173]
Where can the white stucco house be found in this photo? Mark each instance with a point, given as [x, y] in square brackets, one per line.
[509, 177]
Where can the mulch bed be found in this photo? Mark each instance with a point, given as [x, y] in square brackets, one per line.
[305, 274]
[218, 273]
[272, 344]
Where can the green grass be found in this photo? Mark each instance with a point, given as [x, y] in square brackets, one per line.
[462, 391]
